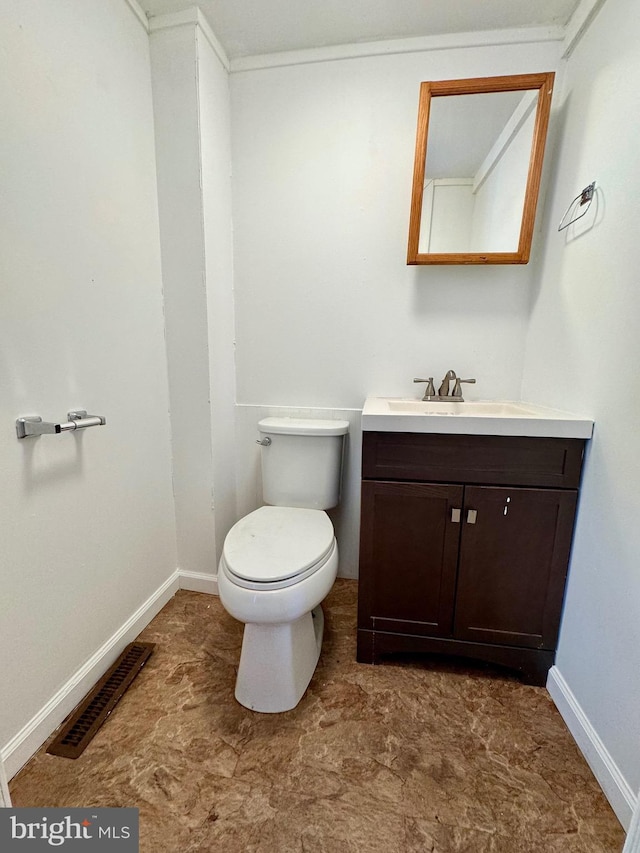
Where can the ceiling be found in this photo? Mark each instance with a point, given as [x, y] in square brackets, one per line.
[253, 27]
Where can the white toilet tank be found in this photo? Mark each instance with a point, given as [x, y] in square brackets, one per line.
[302, 461]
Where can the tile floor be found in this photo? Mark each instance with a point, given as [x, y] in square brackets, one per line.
[412, 756]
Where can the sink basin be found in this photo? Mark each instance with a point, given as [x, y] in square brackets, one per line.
[476, 417]
[489, 408]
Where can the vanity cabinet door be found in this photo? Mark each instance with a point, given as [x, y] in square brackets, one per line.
[408, 552]
[514, 555]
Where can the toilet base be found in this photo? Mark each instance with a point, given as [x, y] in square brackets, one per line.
[277, 662]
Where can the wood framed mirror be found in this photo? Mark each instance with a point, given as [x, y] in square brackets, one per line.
[476, 175]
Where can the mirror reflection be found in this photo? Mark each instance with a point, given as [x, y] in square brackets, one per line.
[477, 171]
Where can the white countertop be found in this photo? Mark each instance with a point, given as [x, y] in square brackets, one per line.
[475, 417]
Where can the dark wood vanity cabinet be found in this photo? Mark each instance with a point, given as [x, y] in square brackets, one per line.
[464, 546]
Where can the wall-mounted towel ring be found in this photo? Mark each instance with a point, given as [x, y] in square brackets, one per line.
[585, 197]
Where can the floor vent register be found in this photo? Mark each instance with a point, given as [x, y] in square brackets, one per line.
[83, 723]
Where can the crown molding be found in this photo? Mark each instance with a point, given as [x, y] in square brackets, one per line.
[191, 17]
[570, 35]
[487, 38]
[579, 23]
[139, 12]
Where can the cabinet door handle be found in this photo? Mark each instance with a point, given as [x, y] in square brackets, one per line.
[455, 516]
[472, 515]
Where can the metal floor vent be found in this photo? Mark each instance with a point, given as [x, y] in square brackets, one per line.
[80, 728]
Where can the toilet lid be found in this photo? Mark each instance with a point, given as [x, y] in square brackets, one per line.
[276, 542]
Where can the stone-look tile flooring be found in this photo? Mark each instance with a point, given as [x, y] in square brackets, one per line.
[417, 755]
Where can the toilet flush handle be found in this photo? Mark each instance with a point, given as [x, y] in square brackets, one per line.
[265, 442]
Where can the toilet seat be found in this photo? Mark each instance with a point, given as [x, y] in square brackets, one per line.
[275, 547]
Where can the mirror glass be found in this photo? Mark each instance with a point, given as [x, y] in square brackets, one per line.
[479, 154]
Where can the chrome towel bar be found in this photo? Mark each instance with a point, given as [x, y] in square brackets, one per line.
[77, 419]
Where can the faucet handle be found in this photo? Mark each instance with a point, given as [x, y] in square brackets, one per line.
[430, 391]
[457, 390]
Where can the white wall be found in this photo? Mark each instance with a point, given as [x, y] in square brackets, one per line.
[447, 215]
[215, 135]
[174, 65]
[327, 311]
[191, 105]
[499, 202]
[582, 354]
[86, 520]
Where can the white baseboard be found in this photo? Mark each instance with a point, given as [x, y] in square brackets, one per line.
[199, 582]
[31, 737]
[5, 798]
[616, 788]
[632, 844]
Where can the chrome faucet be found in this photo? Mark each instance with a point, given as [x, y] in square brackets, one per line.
[456, 394]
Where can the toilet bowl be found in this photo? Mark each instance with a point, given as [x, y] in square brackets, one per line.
[280, 561]
[277, 565]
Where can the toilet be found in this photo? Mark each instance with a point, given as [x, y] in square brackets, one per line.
[280, 561]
